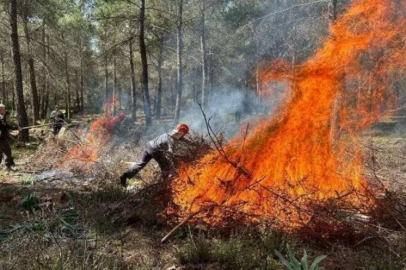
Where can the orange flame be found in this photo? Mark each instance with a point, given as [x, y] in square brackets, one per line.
[310, 150]
[85, 154]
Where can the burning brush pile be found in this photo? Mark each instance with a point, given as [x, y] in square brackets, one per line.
[293, 169]
[86, 150]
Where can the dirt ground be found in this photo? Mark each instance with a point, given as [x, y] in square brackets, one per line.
[385, 145]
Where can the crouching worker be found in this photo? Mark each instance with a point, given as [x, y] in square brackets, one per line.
[157, 149]
[5, 136]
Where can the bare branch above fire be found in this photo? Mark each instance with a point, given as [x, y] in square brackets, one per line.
[219, 147]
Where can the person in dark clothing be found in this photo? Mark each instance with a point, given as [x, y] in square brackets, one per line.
[58, 119]
[156, 149]
[5, 136]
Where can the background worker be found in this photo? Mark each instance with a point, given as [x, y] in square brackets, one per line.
[58, 119]
[5, 137]
[157, 149]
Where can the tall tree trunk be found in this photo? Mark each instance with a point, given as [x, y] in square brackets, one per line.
[133, 84]
[174, 88]
[159, 90]
[3, 79]
[179, 62]
[45, 88]
[47, 92]
[82, 88]
[106, 79]
[13, 96]
[34, 90]
[68, 97]
[115, 89]
[43, 76]
[8, 88]
[194, 88]
[204, 53]
[22, 113]
[257, 61]
[119, 94]
[81, 80]
[144, 63]
[77, 80]
[211, 77]
[106, 71]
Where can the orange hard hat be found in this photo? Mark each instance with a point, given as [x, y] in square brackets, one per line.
[183, 128]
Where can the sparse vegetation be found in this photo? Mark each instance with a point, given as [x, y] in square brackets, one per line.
[29, 203]
[30, 180]
[237, 252]
[303, 264]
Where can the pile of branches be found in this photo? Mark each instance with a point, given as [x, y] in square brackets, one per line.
[329, 221]
[191, 148]
[51, 152]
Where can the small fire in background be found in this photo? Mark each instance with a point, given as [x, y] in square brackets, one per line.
[87, 152]
[310, 151]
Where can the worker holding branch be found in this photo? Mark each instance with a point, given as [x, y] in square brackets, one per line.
[158, 149]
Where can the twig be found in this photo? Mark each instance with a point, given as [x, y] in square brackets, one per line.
[74, 134]
[219, 147]
[243, 144]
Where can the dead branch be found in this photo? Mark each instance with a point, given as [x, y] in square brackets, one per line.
[243, 144]
[37, 126]
[219, 147]
[177, 227]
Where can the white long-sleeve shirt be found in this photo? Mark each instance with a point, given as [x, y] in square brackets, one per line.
[163, 143]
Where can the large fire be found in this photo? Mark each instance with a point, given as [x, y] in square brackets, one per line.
[310, 151]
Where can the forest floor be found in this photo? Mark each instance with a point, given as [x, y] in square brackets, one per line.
[52, 219]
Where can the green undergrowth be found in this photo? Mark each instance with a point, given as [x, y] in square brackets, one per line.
[239, 251]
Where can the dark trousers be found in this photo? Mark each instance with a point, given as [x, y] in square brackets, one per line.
[5, 149]
[160, 158]
[57, 128]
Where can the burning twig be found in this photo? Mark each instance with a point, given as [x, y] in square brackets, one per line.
[243, 144]
[219, 147]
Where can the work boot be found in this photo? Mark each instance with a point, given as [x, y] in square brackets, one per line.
[123, 180]
[10, 165]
